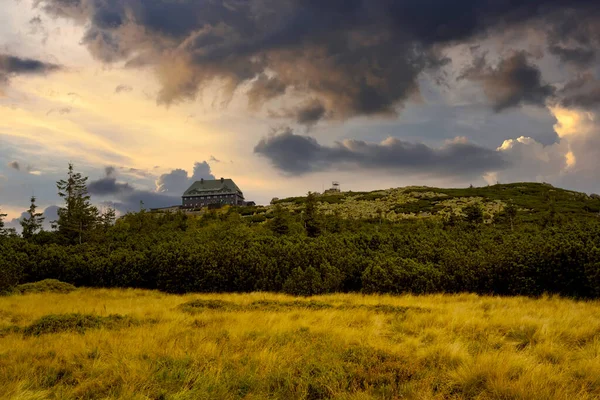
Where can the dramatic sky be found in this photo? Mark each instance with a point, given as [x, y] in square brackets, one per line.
[284, 96]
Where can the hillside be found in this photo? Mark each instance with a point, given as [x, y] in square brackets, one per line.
[531, 200]
[524, 239]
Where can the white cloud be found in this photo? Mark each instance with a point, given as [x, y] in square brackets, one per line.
[573, 161]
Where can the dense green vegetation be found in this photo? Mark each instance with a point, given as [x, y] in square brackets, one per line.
[512, 239]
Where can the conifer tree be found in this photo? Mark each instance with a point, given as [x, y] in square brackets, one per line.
[108, 217]
[279, 223]
[312, 223]
[78, 217]
[32, 223]
[511, 213]
[2, 230]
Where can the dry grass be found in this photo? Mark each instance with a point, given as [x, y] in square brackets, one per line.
[259, 346]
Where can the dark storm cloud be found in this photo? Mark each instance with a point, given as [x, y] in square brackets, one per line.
[15, 165]
[576, 55]
[583, 92]
[512, 83]
[11, 66]
[357, 57]
[297, 154]
[573, 35]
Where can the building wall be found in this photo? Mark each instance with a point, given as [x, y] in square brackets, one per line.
[205, 200]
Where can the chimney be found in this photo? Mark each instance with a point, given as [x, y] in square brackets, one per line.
[222, 179]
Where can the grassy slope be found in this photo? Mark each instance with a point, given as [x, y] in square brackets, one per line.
[441, 346]
[400, 203]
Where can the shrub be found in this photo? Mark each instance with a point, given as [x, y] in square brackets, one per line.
[307, 282]
[10, 274]
[258, 218]
[45, 286]
[400, 276]
[197, 306]
[56, 323]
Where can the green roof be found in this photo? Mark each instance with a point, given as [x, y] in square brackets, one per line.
[212, 185]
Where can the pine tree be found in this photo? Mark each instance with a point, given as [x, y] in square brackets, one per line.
[511, 213]
[32, 223]
[279, 224]
[312, 223]
[2, 230]
[108, 217]
[473, 213]
[79, 216]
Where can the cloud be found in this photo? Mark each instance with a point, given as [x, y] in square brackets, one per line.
[60, 111]
[131, 202]
[169, 188]
[16, 65]
[572, 161]
[307, 113]
[177, 180]
[357, 57]
[11, 66]
[582, 92]
[50, 214]
[18, 167]
[108, 186]
[263, 89]
[36, 26]
[297, 154]
[310, 112]
[512, 83]
[573, 34]
[576, 55]
[123, 88]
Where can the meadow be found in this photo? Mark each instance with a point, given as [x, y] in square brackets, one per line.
[142, 344]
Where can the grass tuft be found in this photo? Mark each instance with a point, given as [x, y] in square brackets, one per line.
[79, 323]
[197, 306]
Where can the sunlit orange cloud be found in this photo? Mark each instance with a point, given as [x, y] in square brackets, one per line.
[79, 112]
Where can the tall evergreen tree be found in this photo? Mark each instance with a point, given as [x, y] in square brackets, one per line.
[312, 223]
[108, 217]
[79, 216]
[511, 212]
[2, 230]
[279, 224]
[32, 223]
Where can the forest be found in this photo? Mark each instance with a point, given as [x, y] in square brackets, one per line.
[517, 239]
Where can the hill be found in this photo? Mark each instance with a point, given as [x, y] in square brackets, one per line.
[531, 199]
[518, 239]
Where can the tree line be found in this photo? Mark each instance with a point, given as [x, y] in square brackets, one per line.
[304, 252]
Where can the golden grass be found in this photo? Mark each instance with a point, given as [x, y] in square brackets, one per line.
[424, 347]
